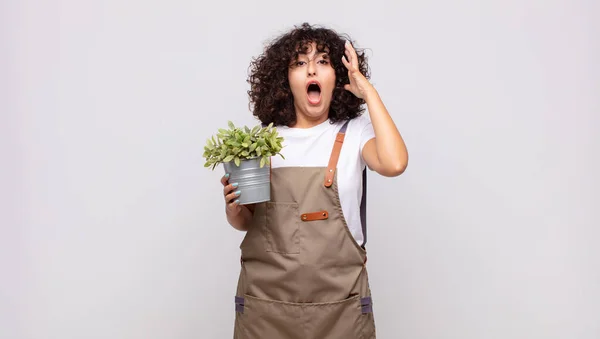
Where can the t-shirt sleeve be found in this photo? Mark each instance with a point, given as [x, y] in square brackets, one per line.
[366, 130]
[366, 133]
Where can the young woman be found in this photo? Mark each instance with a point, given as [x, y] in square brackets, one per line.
[303, 257]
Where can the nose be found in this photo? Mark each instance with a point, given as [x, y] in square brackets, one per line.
[311, 69]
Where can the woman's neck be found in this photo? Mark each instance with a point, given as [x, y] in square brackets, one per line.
[303, 121]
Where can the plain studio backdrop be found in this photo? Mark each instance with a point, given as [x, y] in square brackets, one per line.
[112, 228]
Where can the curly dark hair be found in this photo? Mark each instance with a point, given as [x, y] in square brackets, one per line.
[270, 93]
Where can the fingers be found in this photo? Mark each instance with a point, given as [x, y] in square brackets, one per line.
[230, 191]
[225, 179]
[346, 63]
[227, 191]
[231, 196]
[232, 202]
[351, 55]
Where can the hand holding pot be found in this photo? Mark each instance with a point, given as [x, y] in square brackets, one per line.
[231, 194]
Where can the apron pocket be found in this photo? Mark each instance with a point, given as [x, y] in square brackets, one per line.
[265, 319]
[282, 228]
[343, 319]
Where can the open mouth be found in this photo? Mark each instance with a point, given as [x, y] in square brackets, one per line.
[314, 92]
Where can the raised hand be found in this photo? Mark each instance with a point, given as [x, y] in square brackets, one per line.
[359, 85]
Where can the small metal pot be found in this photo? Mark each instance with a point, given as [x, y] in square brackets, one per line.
[254, 182]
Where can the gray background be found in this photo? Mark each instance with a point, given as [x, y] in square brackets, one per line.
[112, 228]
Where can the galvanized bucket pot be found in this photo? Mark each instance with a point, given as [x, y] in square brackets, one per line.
[254, 182]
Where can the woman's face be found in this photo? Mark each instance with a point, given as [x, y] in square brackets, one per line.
[312, 81]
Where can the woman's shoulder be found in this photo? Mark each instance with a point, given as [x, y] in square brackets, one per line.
[357, 126]
[361, 120]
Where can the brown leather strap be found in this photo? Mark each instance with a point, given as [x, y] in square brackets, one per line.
[330, 174]
[321, 215]
[333, 159]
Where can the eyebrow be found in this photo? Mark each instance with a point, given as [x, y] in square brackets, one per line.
[323, 54]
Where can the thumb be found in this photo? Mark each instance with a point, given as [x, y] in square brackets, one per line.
[347, 87]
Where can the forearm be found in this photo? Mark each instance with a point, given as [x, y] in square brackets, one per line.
[391, 150]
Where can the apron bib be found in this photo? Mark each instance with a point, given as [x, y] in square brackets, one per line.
[303, 275]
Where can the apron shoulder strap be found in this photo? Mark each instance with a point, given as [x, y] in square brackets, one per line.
[335, 155]
[331, 167]
[343, 129]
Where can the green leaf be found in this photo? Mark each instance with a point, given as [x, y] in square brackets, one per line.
[237, 144]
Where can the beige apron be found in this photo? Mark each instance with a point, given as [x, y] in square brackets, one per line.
[303, 274]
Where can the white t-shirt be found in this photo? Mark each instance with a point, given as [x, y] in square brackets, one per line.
[311, 147]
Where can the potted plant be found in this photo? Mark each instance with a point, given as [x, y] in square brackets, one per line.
[246, 155]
